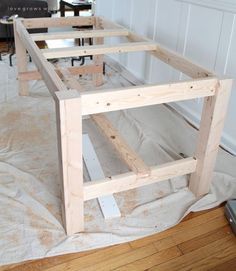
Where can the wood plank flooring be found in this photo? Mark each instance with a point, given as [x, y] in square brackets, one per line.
[202, 241]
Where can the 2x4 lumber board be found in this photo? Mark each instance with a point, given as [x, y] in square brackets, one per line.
[126, 181]
[130, 157]
[80, 34]
[70, 80]
[211, 126]
[51, 79]
[171, 58]
[99, 101]
[107, 24]
[98, 59]
[107, 203]
[58, 22]
[87, 69]
[21, 62]
[98, 49]
[68, 106]
[175, 60]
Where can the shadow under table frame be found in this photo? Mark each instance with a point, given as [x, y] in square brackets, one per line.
[72, 103]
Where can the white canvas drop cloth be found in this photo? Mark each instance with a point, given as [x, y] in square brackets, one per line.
[30, 214]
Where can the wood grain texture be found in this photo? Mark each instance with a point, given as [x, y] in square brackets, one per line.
[79, 34]
[98, 59]
[52, 80]
[129, 156]
[211, 126]
[98, 50]
[69, 121]
[57, 22]
[212, 250]
[86, 69]
[21, 62]
[99, 101]
[130, 180]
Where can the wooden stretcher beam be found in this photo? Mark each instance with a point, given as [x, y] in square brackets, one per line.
[175, 60]
[130, 157]
[70, 80]
[106, 24]
[73, 103]
[79, 34]
[57, 22]
[52, 80]
[123, 182]
[87, 69]
[99, 101]
[98, 49]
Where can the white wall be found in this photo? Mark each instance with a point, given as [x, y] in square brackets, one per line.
[202, 30]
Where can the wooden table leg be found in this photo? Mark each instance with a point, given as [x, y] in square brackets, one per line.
[212, 122]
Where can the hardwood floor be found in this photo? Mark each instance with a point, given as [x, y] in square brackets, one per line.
[202, 241]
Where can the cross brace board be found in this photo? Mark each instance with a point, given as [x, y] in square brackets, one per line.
[72, 103]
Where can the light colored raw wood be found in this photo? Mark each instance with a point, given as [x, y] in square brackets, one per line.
[71, 106]
[177, 61]
[127, 181]
[79, 34]
[94, 102]
[173, 59]
[130, 157]
[87, 69]
[52, 80]
[68, 106]
[98, 49]
[107, 24]
[98, 59]
[70, 80]
[58, 22]
[212, 123]
[108, 203]
[21, 57]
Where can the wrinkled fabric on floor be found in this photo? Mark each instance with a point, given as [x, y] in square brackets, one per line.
[30, 213]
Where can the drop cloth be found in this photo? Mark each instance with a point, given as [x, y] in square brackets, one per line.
[30, 214]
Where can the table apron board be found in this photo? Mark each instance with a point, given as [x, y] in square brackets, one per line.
[72, 103]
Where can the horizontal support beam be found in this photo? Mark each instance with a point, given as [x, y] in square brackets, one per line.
[106, 24]
[58, 22]
[129, 156]
[174, 59]
[122, 182]
[50, 77]
[98, 49]
[99, 101]
[87, 69]
[80, 34]
[69, 80]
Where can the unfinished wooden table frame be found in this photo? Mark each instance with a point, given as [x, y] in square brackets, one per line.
[72, 104]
